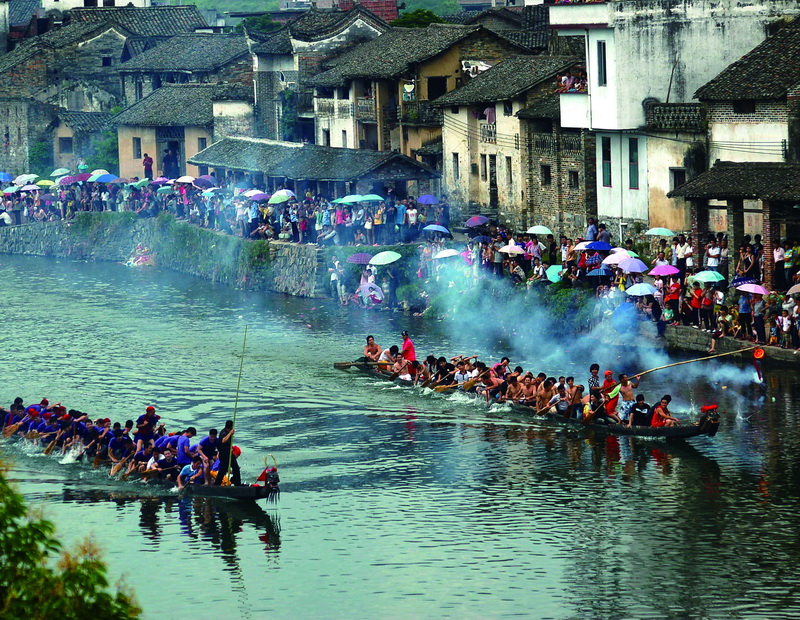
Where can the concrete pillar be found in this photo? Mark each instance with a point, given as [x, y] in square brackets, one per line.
[735, 232]
[770, 228]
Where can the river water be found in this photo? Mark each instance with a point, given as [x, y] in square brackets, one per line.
[394, 504]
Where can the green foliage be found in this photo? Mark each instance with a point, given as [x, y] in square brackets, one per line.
[238, 5]
[91, 228]
[40, 158]
[260, 23]
[289, 125]
[440, 7]
[31, 587]
[419, 18]
[104, 151]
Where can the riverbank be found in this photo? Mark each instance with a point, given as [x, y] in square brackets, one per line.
[683, 338]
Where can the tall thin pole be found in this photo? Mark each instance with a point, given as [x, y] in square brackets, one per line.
[236, 403]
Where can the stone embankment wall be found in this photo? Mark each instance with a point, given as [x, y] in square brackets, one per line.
[178, 246]
[689, 339]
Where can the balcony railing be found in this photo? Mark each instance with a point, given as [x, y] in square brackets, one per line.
[420, 112]
[488, 132]
[365, 109]
[344, 109]
[333, 108]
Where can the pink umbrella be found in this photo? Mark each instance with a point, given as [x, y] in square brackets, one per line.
[67, 180]
[476, 220]
[616, 258]
[512, 249]
[83, 176]
[750, 288]
[664, 270]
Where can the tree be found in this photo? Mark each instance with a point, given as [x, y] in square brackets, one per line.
[31, 587]
[40, 158]
[417, 19]
[104, 151]
[289, 118]
[261, 23]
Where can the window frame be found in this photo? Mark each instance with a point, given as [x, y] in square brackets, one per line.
[605, 163]
[633, 163]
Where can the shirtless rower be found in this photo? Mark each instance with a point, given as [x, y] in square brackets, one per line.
[513, 389]
[372, 352]
[528, 395]
[627, 398]
[545, 392]
[400, 368]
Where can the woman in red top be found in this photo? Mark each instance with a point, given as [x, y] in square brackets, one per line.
[661, 415]
[697, 303]
[672, 299]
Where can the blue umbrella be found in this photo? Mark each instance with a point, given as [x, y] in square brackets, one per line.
[641, 289]
[436, 228]
[482, 239]
[5, 177]
[739, 281]
[106, 178]
[600, 246]
[427, 199]
[602, 271]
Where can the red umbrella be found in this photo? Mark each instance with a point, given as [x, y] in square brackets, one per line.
[476, 220]
[67, 180]
[359, 258]
[83, 176]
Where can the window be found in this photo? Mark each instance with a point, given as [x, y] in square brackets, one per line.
[483, 167]
[137, 87]
[437, 86]
[344, 138]
[744, 107]
[106, 60]
[65, 146]
[508, 108]
[326, 137]
[605, 144]
[343, 92]
[633, 163]
[137, 148]
[677, 177]
[602, 67]
[509, 171]
[456, 171]
[547, 175]
[574, 179]
[108, 3]
[454, 109]
[202, 143]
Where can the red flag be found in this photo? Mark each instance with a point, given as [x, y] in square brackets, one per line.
[263, 476]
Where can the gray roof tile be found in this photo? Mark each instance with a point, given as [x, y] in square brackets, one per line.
[184, 105]
[85, 121]
[153, 21]
[190, 52]
[745, 180]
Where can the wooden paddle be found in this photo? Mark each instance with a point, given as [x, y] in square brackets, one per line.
[468, 385]
[96, 460]
[116, 469]
[10, 430]
[341, 365]
[52, 444]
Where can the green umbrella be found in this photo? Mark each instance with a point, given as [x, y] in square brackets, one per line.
[353, 198]
[141, 184]
[371, 198]
[709, 276]
[660, 232]
[385, 258]
[59, 172]
[553, 273]
[164, 190]
[11, 189]
[336, 201]
[93, 178]
[539, 230]
[278, 199]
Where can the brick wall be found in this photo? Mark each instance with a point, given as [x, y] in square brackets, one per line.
[385, 9]
[486, 46]
[23, 122]
[766, 112]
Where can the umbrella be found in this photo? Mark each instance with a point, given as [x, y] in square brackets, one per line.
[259, 196]
[385, 258]
[427, 199]
[795, 290]
[24, 179]
[47, 197]
[45, 183]
[553, 273]
[83, 167]
[59, 172]
[601, 271]
[616, 258]
[278, 199]
[12, 189]
[121, 181]
[752, 288]
[476, 220]
[632, 265]
[660, 232]
[100, 171]
[436, 228]
[286, 192]
[210, 192]
[5, 177]
[165, 190]
[371, 198]
[203, 183]
[67, 180]
[512, 249]
[359, 258]
[641, 289]
[352, 199]
[141, 183]
[253, 192]
[539, 230]
[739, 281]
[706, 276]
[626, 250]
[600, 246]
[83, 176]
[106, 178]
[159, 182]
[93, 178]
[482, 239]
[446, 253]
[582, 246]
[665, 270]
[185, 179]
[369, 289]
[29, 188]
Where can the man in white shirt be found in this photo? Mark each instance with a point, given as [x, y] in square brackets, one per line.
[712, 255]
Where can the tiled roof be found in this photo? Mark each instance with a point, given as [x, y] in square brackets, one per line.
[764, 73]
[64, 36]
[462, 17]
[278, 42]
[153, 21]
[675, 116]
[534, 40]
[543, 106]
[232, 92]
[85, 121]
[745, 180]
[308, 161]
[506, 80]
[317, 24]
[184, 105]
[393, 53]
[20, 54]
[190, 52]
[431, 148]
[20, 12]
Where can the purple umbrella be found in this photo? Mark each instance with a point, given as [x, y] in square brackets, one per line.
[476, 220]
[83, 176]
[632, 265]
[427, 199]
[67, 180]
[159, 181]
[359, 258]
[258, 197]
[120, 181]
[203, 183]
[664, 270]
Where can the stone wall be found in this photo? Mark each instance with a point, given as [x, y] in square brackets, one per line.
[689, 339]
[282, 267]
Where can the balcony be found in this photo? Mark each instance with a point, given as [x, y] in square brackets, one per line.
[305, 102]
[325, 108]
[366, 110]
[420, 112]
[488, 133]
[344, 109]
[575, 110]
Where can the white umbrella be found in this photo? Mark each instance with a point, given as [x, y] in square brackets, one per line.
[100, 171]
[249, 193]
[185, 179]
[582, 245]
[616, 258]
[539, 230]
[446, 253]
[512, 249]
[286, 192]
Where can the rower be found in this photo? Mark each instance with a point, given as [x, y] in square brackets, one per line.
[400, 368]
[185, 454]
[208, 447]
[661, 414]
[560, 402]
[640, 413]
[388, 355]
[167, 466]
[372, 352]
[627, 400]
[408, 348]
[146, 428]
[192, 473]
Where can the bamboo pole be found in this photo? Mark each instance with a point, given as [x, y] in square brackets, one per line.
[699, 359]
[236, 403]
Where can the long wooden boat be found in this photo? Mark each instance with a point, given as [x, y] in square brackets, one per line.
[707, 425]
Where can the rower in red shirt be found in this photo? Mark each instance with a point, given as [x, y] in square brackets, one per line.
[407, 351]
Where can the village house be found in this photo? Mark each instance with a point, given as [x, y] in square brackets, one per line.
[183, 119]
[72, 136]
[378, 96]
[637, 52]
[285, 61]
[502, 150]
[194, 58]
